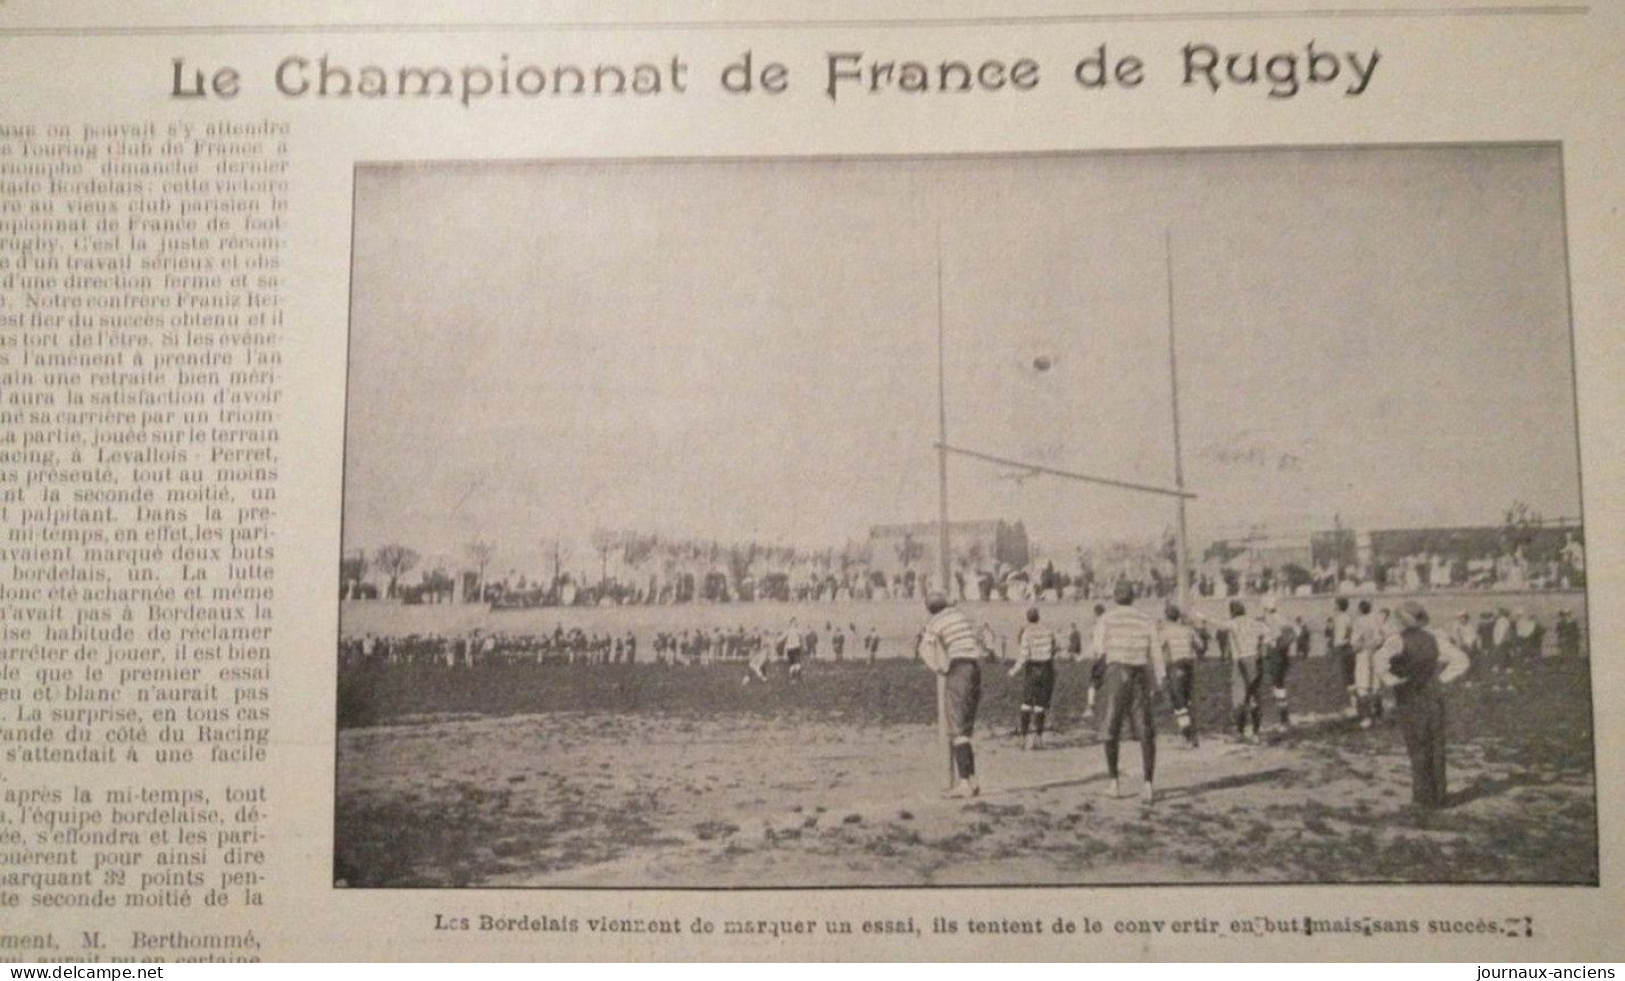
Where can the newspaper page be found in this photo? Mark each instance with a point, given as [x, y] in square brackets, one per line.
[1081, 481]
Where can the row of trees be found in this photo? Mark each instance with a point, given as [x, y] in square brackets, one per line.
[707, 566]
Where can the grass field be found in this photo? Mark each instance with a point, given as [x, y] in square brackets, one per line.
[617, 775]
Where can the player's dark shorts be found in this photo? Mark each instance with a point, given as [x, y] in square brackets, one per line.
[1245, 678]
[1039, 689]
[1277, 663]
[964, 695]
[794, 657]
[1127, 695]
[1345, 663]
[1181, 683]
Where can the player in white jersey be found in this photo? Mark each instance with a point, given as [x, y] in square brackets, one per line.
[1035, 659]
[1180, 645]
[795, 648]
[1368, 637]
[758, 661]
[1279, 635]
[950, 647]
[1464, 635]
[1134, 670]
[1341, 641]
[1097, 663]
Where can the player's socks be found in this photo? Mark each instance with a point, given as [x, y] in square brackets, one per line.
[1026, 720]
[1148, 757]
[964, 760]
[1038, 722]
[1111, 759]
[1257, 716]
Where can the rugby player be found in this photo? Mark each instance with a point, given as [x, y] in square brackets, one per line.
[1036, 648]
[1279, 635]
[1097, 667]
[1464, 635]
[949, 646]
[1134, 670]
[1341, 641]
[1368, 636]
[795, 649]
[1246, 636]
[1180, 645]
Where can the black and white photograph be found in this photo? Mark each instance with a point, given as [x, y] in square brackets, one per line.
[1133, 518]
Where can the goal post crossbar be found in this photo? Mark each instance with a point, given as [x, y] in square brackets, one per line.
[1068, 474]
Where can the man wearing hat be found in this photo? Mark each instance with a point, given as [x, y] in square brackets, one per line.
[949, 646]
[1035, 658]
[1417, 664]
[1134, 670]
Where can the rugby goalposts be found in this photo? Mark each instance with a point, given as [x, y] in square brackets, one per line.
[1179, 492]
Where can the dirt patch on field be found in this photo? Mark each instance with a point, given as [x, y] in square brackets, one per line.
[764, 791]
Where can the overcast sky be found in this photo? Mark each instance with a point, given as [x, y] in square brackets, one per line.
[747, 349]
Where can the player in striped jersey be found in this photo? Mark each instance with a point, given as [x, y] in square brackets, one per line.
[1246, 637]
[1035, 656]
[1134, 670]
[1180, 645]
[949, 646]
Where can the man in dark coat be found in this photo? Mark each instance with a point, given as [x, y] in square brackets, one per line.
[1418, 664]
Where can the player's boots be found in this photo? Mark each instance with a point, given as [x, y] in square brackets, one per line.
[964, 788]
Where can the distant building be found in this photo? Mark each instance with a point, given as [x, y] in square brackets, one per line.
[1261, 553]
[1336, 548]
